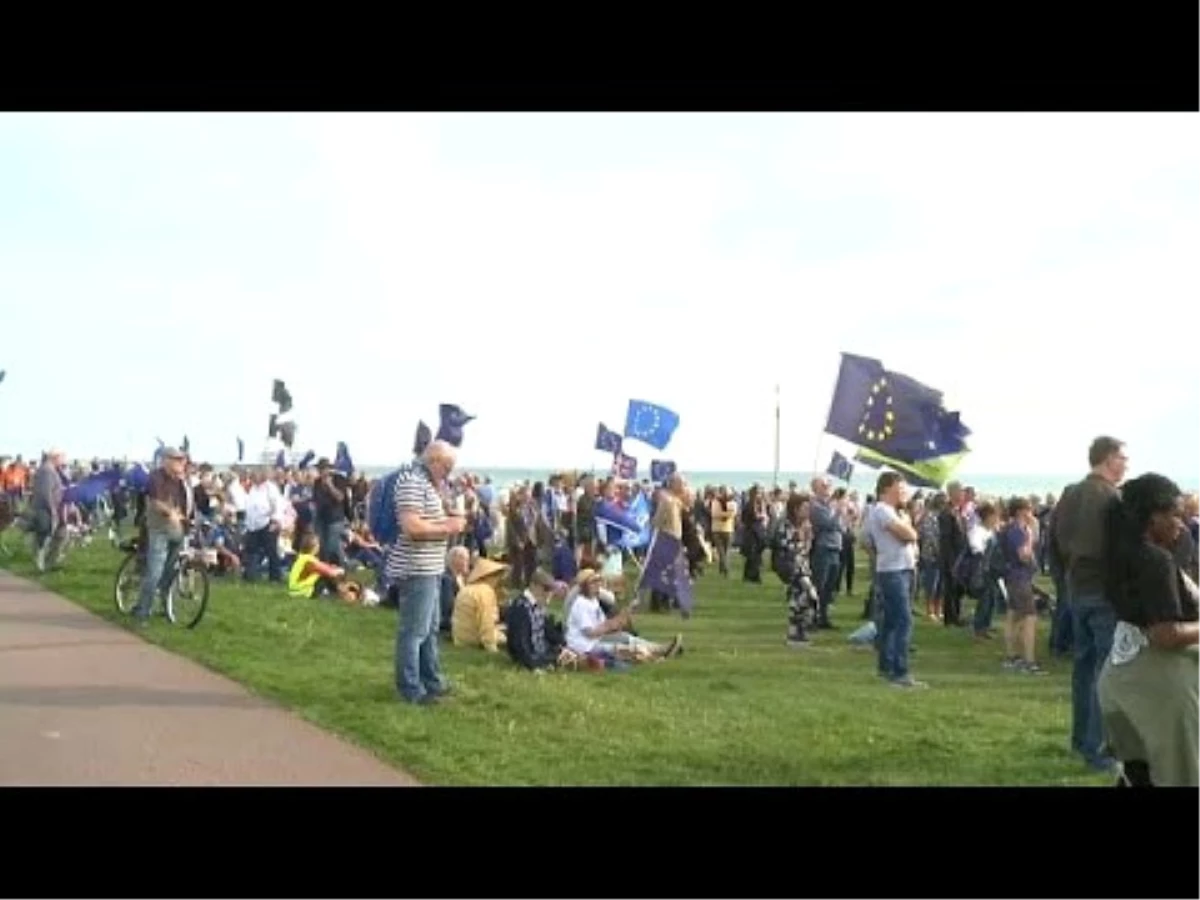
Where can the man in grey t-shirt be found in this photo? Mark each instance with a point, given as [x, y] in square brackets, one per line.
[895, 540]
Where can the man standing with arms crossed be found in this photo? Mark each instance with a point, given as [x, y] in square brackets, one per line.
[1078, 536]
[414, 568]
[892, 534]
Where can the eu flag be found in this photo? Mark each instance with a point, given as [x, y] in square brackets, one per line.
[840, 467]
[650, 423]
[342, 461]
[666, 570]
[423, 438]
[607, 441]
[452, 421]
[281, 460]
[306, 460]
[661, 470]
[891, 413]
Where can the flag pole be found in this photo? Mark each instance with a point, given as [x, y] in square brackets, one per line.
[775, 480]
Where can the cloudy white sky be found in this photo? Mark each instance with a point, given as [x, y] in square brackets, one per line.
[157, 271]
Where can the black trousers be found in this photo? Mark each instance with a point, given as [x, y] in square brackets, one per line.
[847, 571]
[952, 594]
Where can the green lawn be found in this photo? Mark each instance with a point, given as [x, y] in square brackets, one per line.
[738, 708]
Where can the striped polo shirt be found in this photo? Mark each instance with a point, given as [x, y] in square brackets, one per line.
[415, 492]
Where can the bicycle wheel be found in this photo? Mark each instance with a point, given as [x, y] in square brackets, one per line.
[127, 584]
[188, 597]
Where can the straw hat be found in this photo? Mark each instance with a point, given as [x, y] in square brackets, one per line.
[586, 575]
[483, 568]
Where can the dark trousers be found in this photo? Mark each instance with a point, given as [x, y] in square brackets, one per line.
[826, 568]
[952, 594]
[847, 572]
[258, 545]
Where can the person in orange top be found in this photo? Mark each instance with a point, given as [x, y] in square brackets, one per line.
[16, 480]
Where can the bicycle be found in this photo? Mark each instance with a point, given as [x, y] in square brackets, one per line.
[186, 597]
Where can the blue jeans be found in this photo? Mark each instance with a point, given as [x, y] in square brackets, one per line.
[332, 536]
[826, 567]
[1061, 630]
[985, 609]
[418, 670]
[161, 553]
[893, 590]
[1093, 622]
[930, 576]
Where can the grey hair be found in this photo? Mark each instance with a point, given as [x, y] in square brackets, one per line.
[456, 551]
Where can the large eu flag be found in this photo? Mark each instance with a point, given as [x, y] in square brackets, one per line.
[650, 423]
[891, 413]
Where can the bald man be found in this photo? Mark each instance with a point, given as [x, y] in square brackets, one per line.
[414, 567]
[826, 559]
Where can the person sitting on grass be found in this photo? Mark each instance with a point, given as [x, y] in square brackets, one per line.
[606, 598]
[591, 633]
[309, 577]
[535, 639]
[458, 566]
[475, 621]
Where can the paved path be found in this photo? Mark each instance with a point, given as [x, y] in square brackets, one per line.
[84, 702]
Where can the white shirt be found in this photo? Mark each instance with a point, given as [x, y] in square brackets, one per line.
[977, 538]
[585, 613]
[264, 504]
[236, 496]
[573, 594]
[891, 553]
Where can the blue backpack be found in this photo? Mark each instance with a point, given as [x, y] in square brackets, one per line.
[381, 509]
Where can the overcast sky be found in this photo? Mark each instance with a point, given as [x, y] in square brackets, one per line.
[157, 271]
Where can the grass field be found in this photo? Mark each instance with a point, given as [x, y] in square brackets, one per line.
[739, 708]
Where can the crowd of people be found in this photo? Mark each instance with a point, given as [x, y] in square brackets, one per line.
[482, 567]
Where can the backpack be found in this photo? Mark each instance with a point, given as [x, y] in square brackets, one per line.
[969, 573]
[381, 509]
[995, 564]
[783, 561]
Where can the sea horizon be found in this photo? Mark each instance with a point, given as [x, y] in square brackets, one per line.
[863, 479]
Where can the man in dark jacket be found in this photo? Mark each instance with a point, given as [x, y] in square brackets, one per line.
[45, 504]
[952, 541]
[1079, 524]
[535, 641]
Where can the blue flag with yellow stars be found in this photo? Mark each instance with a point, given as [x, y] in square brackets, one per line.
[892, 414]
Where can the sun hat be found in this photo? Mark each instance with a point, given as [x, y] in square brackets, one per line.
[484, 568]
[586, 575]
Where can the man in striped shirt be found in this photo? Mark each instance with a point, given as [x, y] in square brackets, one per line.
[414, 566]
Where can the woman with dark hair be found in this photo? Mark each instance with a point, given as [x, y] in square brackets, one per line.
[1148, 688]
[793, 568]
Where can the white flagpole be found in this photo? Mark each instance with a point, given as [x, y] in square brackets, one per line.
[775, 479]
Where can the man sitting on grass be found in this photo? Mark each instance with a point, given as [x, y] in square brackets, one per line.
[535, 640]
[591, 633]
